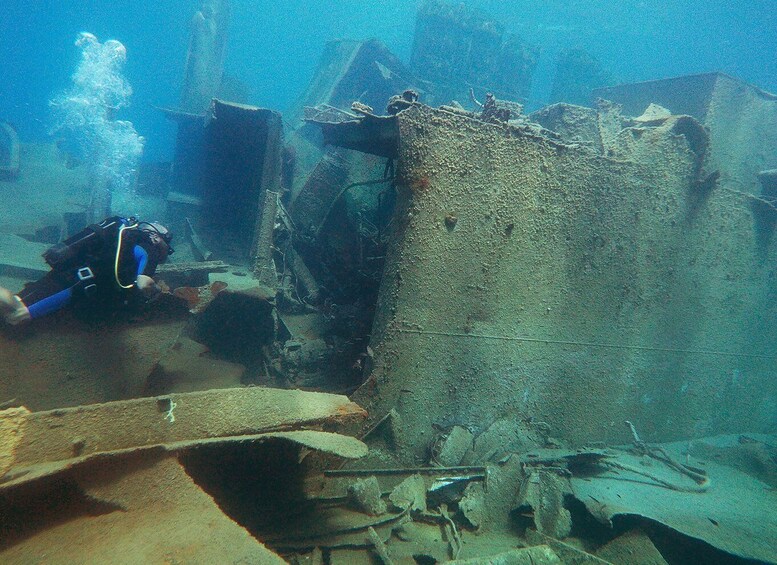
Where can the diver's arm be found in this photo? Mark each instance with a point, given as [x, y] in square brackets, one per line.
[141, 259]
[49, 304]
[144, 283]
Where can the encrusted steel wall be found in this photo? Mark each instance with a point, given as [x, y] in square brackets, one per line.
[542, 281]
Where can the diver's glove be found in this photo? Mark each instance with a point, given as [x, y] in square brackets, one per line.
[12, 308]
[147, 286]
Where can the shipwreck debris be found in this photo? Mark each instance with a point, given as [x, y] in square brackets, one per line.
[316, 197]
[104, 509]
[223, 167]
[736, 516]
[455, 47]
[473, 505]
[205, 58]
[699, 476]
[543, 493]
[376, 135]
[199, 249]
[355, 70]
[653, 115]
[238, 324]
[567, 552]
[365, 495]
[311, 293]
[571, 124]
[12, 424]
[633, 547]
[440, 169]
[577, 74]
[410, 494]
[264, 266]
[121, 458]
[506, 228]
[738, 116]
[491, 111]
[450, 447]
[242, 162]
[399, 102]
[9, 152]
[536, 555]
[189, 274]
[132, 426]
[380, 547]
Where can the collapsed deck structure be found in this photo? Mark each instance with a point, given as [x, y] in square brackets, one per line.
[571, 285]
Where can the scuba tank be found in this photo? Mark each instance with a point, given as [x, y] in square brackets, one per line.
[70, 253]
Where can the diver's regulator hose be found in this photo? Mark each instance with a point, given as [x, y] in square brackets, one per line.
[118, 253]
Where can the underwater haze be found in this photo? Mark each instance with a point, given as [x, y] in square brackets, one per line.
[339, 282]
[274, 46]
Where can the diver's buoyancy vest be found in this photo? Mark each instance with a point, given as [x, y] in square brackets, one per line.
[90, 243]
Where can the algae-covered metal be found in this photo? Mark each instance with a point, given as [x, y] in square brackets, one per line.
[574, 288]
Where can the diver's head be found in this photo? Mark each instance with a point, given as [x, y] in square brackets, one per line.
[160, 237]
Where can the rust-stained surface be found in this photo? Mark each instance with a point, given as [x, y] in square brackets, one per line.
[57, 439]
[142, 510]
[573, 288]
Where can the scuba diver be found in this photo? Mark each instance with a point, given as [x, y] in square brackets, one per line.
[108, 265]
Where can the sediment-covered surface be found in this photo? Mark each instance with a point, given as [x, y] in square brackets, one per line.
[543, 280]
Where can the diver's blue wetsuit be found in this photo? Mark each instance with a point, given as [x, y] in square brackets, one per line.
[97, 270]
[62, 298]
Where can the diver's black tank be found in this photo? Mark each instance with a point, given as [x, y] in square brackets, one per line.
[89, 242]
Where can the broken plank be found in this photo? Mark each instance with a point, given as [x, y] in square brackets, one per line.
[59, 438]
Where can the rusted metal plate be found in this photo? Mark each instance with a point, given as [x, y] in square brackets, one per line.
[736, 514]
[12, 424]
[376, 135]
[59, 439]
[142, 509]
